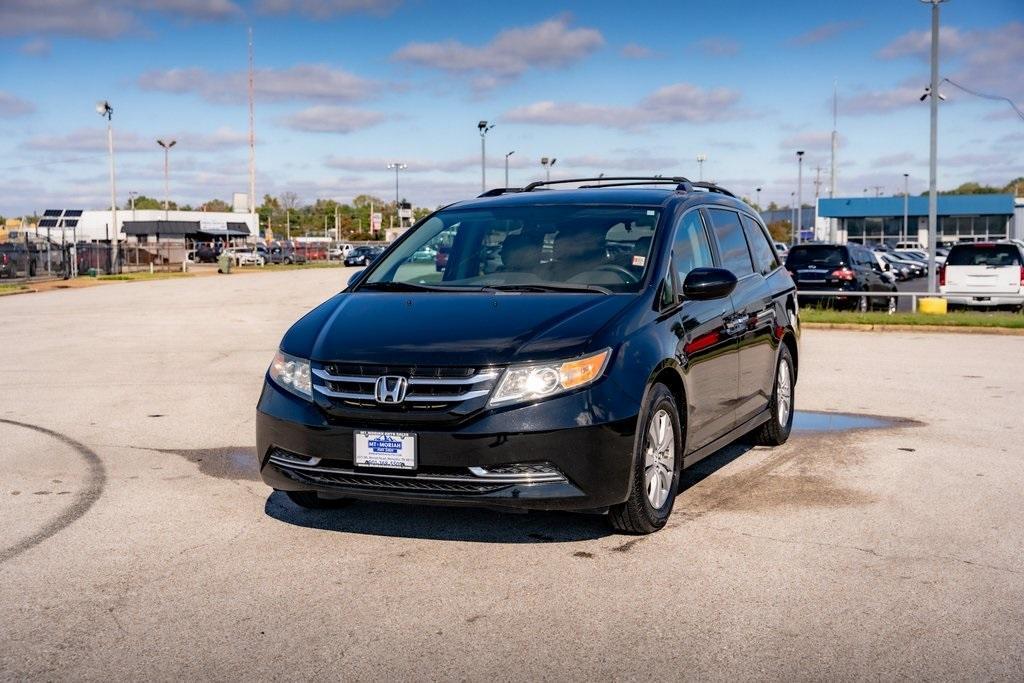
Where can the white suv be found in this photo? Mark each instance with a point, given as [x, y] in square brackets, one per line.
[986, 274]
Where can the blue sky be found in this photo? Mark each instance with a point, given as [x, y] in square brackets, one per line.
[344, 86]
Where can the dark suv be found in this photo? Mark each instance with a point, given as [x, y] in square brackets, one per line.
[841, 268]
[578, 350]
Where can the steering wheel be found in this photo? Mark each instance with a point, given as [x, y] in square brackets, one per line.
[629, 277]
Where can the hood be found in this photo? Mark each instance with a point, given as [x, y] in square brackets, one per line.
[440, 328]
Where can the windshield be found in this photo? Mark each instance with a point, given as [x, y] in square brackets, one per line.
[527, 248]
[984, 255]
[819, 255]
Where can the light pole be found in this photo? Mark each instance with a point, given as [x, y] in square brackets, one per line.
[799, 196]
[701, 158]
[483, 127]
[547, 164]
[398, 166]
[104, 109]
[933, 146]
[506, 166]
[167, 184]
[131, 197]
[792, 218]
[906, 205]
[759, 200]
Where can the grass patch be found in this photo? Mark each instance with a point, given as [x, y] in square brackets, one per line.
[131, 277]
[951, 319]
[11, 289]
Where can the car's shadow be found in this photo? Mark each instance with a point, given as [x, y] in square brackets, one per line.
[476, 525]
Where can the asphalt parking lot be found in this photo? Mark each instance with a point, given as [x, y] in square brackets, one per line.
[138, 543]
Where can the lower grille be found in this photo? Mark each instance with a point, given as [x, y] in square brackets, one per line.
[389, 483]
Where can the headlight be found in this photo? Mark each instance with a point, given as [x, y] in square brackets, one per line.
[292, 373]
[541, 380]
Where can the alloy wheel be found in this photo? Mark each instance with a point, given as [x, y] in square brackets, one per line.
[784, 393]
[659, 458]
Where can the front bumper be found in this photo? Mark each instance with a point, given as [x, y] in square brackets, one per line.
[562, 453]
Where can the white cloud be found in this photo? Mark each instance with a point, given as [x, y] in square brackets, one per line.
[918, 43]
[95, 140]
[636, 51]
[300, 82]
[332, 119]
[12, 106]
[35, 48]
[718, 47]
[549, 44]
[323, 9]
[103, 20]
[820, 34]
[880, 101]
[677, 103]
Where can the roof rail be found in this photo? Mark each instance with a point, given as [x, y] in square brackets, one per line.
[682, 183]
[498, 191]
[711, 187]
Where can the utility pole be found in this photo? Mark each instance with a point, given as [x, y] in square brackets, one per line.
[759, 200]
[701, 158]
[252, 134]
[104, 109]
[547, 164]
[933, 148]
[799, 196]
[398, 166]
[131, 196]
[833, 223]
[483, 127]
[792, 218]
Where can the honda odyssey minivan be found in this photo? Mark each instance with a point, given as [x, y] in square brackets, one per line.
[578, 349]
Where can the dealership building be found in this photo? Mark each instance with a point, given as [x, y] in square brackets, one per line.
[961, 218]
[148, 225]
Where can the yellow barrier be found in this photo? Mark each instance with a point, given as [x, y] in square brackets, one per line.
[930, 305]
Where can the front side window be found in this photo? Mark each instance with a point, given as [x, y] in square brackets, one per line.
[691, 249]
[528, 248]
[731, 242]
[764, 256]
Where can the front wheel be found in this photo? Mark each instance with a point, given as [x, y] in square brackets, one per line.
[775, 431]
[658, 463]
[287, 261]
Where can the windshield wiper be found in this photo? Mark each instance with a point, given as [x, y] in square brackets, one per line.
[597, 289]
[414, 287]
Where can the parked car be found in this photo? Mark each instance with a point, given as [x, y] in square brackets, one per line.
[17, 259]
[363, 256]
[573, 382]
[781, 248]
[921, 255]
[247, 256]
[424, 255]
[338, 252]
[984, 274]
[888, 272]
[285, 255]
[204, 253]
[902, 271]
[841, 268]
[8, 263]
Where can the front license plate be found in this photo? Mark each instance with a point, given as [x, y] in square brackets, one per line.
[392, 450]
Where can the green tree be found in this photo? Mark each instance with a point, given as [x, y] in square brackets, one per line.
[215, 205]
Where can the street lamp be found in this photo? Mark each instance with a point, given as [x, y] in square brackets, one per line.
[506, 166]
[131, 197]
[483, 127]
[167, 185]
[759, 200]
[799, 195]
[933, 145]
[397, 166]
[547, 164]
[792, 218]
[104, 109]
[701, 158]
[906, 205]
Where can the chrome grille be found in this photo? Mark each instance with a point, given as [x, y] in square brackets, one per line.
[350, 386]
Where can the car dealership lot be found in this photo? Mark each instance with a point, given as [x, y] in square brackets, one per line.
[138, 542]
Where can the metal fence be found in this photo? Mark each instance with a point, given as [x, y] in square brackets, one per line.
[913, 296]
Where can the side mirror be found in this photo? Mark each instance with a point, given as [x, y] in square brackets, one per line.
[355, 276]
[887, 267]
[702, 284]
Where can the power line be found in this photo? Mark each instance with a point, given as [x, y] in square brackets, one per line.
[986, 96]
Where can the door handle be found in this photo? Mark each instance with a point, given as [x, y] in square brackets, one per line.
[735, 324]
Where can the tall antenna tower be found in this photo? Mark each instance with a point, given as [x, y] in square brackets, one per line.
[252, 137]
[833, 222]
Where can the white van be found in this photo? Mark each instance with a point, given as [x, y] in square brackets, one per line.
[985, 273]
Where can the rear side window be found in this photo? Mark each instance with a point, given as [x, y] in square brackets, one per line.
[984, 255]
[764, 256]
[816, 255]
[691, 249]
[732, 244]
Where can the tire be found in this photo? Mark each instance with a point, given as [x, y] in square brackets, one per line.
[651, 497]
[311, 501]
[776, 430]
[287, 260]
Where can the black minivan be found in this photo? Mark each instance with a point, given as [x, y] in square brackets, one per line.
[579, 349]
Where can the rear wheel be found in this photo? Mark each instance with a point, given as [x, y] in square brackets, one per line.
[775, 431]
[659, 461]
[311, 501]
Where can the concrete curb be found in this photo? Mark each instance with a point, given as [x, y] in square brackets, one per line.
[949, 329]
[15, 292]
